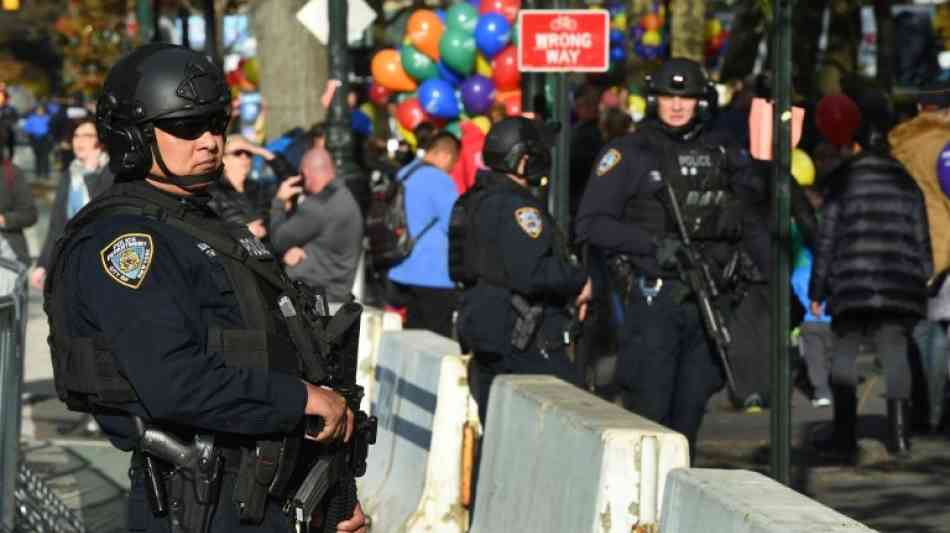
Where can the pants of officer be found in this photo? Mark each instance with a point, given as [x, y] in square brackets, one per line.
[889, 336]
[666, 370]
[224, 518]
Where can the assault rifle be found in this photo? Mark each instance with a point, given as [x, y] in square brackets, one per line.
[334, 467]
[696, 271]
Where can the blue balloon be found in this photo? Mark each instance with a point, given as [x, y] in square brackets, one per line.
[476, 3]
[618, 54]
[441, 14]
[438, 99]
[615, 9]
[636, 32]
[448, 75]
[492, 34]
[616, 36]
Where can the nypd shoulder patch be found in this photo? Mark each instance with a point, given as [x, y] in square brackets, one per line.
[608, 161]
[127, 258]
[529, 218]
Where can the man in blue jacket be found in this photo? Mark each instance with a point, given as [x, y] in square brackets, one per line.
[423, 278]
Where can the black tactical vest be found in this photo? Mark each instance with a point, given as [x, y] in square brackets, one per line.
[703, 182]
[87, 378]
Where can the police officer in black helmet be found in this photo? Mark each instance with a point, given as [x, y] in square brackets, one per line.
[164, 318]
[666, 370]
[512, 261]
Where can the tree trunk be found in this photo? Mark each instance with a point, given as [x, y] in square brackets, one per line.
[886, 43]
[293, 67]
[844, 36]
[744, 39]
[807, 18]
[688, 19]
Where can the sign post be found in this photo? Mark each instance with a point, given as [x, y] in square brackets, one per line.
[559, 41]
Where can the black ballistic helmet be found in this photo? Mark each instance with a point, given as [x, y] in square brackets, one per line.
[515, 137]
[165, 83]
[679, 77]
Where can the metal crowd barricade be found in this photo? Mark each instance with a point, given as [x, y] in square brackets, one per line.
[13, 295]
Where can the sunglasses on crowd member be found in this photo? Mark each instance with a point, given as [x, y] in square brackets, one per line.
[240, 153]
[190, 128]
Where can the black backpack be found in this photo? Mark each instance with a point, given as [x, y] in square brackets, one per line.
[387, 227]
[470, 259]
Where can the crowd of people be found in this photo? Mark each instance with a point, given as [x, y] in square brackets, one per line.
[671, 211]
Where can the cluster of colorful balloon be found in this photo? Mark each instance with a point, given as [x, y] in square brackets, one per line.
[650, 40]
[245, 77]
[452, 65]
[716, 38]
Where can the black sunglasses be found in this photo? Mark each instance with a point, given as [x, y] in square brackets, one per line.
[190, 128]
[240, 153]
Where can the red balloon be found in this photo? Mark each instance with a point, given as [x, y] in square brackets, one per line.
[508, 8]
[505, 71]
[378, 94]
[410, 114]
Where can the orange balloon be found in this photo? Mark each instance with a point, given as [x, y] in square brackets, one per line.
[512, 101]
[651, 22]
[388, 72]
[424, 30]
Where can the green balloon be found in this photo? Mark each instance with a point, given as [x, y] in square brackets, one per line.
[462, 16]
[455, 128]
[457, 51]
[514, 33]
[417, 64]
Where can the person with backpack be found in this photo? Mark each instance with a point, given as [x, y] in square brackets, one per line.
[422, 278]
[519, 278]
[17, 209]
[316, 227]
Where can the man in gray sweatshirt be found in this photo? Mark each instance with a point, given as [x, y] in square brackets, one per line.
[316, 227]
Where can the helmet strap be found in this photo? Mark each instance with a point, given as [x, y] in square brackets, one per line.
[193, 183]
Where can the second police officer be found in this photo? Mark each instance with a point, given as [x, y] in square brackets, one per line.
[513, 262]
[666, 367]
[165, 321]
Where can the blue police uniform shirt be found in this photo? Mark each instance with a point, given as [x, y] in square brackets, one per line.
[153, 291]
[430, 195]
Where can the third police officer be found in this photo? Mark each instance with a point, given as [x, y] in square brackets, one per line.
[667, 368]
[512, 260]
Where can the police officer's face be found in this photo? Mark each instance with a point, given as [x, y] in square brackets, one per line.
[188, 157]
[676, 111]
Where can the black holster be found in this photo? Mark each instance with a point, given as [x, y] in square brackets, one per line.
[527, 322]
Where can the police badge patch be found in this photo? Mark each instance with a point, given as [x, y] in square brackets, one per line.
[608, 161]
[128, 258]
[530, 221]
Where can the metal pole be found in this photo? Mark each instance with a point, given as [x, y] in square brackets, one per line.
[183, 15]
[779, 279]
[156, 22]
[144, 16]
[559, 191]
[532, 83]
[211, 32]
[12, 335]
[339, 130]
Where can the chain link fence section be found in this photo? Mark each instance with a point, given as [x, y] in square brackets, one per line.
[39, 510]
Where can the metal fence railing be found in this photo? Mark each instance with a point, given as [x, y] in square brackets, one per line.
[13, 294]
[27, 503]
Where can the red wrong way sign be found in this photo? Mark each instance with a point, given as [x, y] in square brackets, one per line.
[563, 40]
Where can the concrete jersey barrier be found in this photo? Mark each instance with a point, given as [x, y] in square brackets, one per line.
[373, 322]
[556, 458]
[422, 401]
[742, 501]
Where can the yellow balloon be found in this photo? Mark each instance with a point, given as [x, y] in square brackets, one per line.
[408, 136]
[619, 22]
[713, 28]
[483, 123]
[803, 170]
[637, 104]
[652, 38]
[482, 66]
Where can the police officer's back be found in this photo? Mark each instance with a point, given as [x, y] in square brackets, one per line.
[665, 369]
[519, 278]
[165, 319]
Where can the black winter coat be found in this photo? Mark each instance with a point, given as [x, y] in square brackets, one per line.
[873, 249]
